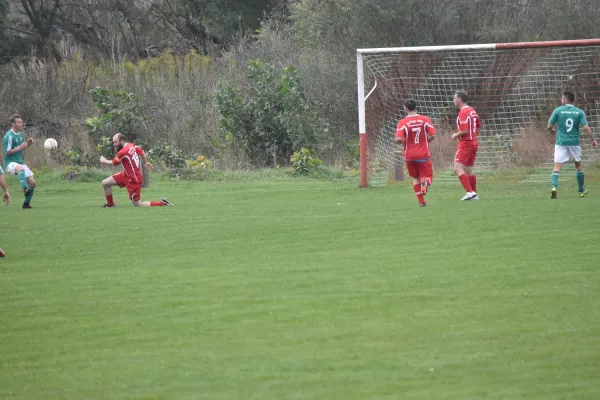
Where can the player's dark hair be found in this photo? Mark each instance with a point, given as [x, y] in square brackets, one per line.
[14, 118]
[461, 94]
[569, 96]
[410, 104]
[121, 136]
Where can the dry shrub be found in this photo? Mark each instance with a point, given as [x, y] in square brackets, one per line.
[533, 147]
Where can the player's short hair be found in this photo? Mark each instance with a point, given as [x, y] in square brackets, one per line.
[410, 104]
[462, 95]
[13, 118]
[569, 96]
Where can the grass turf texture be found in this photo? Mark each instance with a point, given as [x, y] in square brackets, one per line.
[300, 290]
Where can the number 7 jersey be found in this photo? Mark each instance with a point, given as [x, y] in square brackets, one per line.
[415, 129]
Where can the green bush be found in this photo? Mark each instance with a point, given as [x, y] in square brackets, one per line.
[169, 156]
[120, 111]
[271, 117]
[303, 162]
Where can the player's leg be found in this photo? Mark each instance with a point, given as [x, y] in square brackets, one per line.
[31, 185]
[461, 159]
[4, 186]
[575, 152]
[561, 156]
[17, 169]
[425, 175]
[413, 171]
[107, 185]
[135, 194]
[2, 253]
[469, 170]
[26, 180]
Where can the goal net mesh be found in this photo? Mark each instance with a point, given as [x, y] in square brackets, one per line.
[514, 92]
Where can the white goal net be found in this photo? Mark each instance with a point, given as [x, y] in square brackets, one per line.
[514, 87]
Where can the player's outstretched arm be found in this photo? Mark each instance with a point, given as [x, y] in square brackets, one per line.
[104, 160]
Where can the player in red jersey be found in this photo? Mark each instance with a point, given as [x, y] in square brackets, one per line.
[415, 132]
[128, 155]
[468, 124]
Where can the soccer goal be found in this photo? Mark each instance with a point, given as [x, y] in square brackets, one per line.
[513, 86]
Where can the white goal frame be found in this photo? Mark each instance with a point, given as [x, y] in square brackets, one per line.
[364, 93]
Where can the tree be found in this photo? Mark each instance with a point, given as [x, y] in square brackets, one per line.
[204, 22]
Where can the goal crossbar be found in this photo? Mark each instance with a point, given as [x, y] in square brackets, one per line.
[487, 46]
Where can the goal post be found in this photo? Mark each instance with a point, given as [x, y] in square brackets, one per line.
[513, 86]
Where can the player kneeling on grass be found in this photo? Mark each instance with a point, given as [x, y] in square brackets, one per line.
[415, 132]
[568, 118]
[128, 155]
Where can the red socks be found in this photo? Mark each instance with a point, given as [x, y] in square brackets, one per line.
[473, 182]
[109, 200]
[465, 181]
[157, 204]
[417, 188]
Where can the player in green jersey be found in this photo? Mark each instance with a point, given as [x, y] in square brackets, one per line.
[14, 144]
[568, 119]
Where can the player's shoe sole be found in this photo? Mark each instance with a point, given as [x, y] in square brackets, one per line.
[166, 202]
[109, 206]
[475, 198]
[584, 193]
[423, 204]
[553, 194]
[2, 253]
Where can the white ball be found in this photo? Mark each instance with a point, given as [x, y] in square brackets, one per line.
[51, 144]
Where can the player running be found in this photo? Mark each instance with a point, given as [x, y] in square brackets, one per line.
[128, 155]
[415, 132]
[568, 118]
[468, 124]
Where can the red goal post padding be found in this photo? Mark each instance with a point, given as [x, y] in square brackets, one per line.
[513, 86]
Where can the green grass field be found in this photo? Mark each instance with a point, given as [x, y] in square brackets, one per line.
[300, 290]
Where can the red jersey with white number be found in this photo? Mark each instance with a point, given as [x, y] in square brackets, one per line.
[129, 158]
[468, 121]
[415, 129]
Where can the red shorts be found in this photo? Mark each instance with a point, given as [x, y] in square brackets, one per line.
[420, 169]
[134, 189]
[466, 153]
